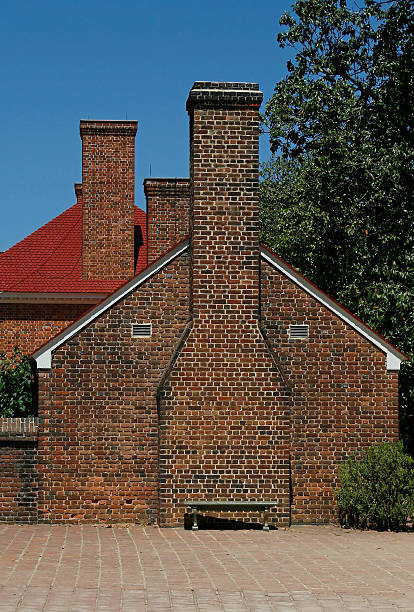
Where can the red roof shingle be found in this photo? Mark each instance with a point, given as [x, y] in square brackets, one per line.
[49, 259]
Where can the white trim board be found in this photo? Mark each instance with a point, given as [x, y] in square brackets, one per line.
[43, 356]
[393, 355]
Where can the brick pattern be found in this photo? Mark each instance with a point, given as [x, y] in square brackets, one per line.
[168, 207]
[224, 420]
[18, 427]
[45, 448]
[108, 157]
[57, 568]
[343, 398]
[18, 469]
[31, 325]
[98, 451]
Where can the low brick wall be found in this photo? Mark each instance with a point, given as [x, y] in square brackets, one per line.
[18, 469]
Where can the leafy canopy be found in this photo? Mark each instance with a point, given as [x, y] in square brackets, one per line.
[16, 385]
[337, 196]
[377, 490]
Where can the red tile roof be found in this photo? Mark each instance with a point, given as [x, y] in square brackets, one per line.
[49, 260]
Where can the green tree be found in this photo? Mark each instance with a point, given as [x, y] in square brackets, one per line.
[16, 385]
[337, 195]
[377, 489]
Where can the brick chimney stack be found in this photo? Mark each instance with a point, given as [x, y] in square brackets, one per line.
[108, 166]
[223, 414]
[224, 169]
[168, 210]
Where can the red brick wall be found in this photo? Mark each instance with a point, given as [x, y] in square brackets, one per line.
[216, 435]
[224, 418]
[168, 209]
[18, 469]
[108, 158]
[101, 436]
[46, 398]
[343, 398]
[31, 325]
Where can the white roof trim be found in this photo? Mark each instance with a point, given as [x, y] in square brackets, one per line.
[40, 297]
[394, 357]
[43, 356]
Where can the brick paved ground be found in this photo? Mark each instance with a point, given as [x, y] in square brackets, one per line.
[85, 568]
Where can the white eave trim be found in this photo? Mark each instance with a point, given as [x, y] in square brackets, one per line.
[20, 297]
[393, 355]
[43, 356]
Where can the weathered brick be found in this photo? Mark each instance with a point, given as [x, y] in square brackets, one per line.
[31, 325]
[108, 158]
[343, 398]
[18, 469]
[168, 208]
[224, 385]
[102, 430]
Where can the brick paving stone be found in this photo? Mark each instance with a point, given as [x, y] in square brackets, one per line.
[133, 569]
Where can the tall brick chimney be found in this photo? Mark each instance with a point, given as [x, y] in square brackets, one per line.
[224, 169]
[168, 211]
[108, 158]
[224, 418]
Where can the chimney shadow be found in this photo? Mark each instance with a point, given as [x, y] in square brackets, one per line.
[138, 243]
[212, 522]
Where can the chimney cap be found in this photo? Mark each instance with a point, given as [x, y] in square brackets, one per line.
[158, 184]
[165, 179]
[224, 94]
[108, 126]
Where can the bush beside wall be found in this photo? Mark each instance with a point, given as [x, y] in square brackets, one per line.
[16, 385]
[377, 489]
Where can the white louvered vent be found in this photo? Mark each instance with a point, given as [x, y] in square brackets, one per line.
[141, 330]
[299, 331]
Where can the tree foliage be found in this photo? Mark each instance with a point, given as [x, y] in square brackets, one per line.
[377, 490]
[337, 196]
[16, 385]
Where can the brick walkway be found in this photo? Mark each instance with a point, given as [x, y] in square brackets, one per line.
[132, 569]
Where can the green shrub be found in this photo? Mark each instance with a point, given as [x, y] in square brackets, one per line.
[377, 490]
[16, 385]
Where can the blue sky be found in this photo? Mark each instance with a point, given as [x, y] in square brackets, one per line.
[67, 60]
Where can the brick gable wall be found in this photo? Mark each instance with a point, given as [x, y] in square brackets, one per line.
[343, 398]
[101, 431]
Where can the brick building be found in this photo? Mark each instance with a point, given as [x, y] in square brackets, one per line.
[209, 368]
